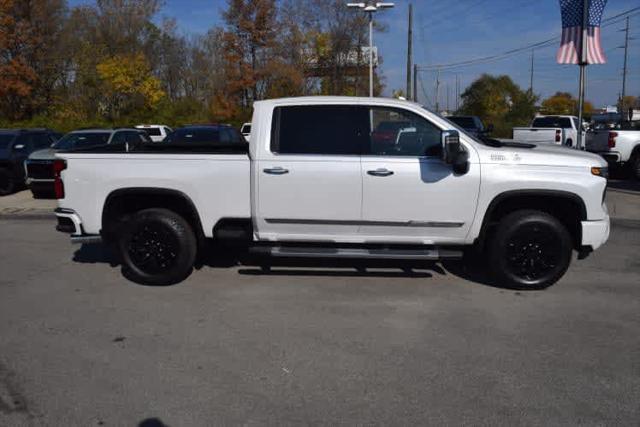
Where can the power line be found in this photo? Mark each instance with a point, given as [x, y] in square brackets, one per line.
[607, 22]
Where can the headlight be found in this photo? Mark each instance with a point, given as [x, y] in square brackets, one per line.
[601, 172]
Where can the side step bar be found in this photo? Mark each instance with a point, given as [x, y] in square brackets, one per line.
[434, 254]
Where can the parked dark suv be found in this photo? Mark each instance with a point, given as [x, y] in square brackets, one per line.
[15, 147]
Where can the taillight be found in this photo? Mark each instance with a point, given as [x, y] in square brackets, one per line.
[612, 139]
[58, 166]
[558, 135]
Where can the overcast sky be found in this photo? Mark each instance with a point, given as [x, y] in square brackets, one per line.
[449, 31]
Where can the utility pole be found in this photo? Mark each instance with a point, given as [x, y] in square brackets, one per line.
[410, 52]
[448, 99]
[533, 52]
[457, 92]
[624, 71]
[438, 92]
[370, 8]
[415, 82]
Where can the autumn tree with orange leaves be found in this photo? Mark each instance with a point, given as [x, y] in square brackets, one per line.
[17, 78]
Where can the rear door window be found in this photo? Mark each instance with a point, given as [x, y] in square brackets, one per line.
[5, 140]
[41, 140]
[320, 129]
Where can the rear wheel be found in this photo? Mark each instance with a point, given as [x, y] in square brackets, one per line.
[530, 250]
[157, 247]
[7, 182]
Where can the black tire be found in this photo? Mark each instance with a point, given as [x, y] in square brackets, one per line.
[7, 182]
[157, 247]
[530, 250]
[634, 165]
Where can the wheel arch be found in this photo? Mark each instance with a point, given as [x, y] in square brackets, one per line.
[125, 201]
[568, 207]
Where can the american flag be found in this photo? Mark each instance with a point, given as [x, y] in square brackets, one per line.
[571, 45]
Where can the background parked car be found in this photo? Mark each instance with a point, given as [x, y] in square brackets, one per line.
[472, 125]
[157, 133]
[205, 134]
[15, 147]
[620, 146]
[559, 130]
[39, 165]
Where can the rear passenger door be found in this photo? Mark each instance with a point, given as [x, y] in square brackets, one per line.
[309, 182]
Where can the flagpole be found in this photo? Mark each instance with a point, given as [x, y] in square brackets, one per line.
[583, 72]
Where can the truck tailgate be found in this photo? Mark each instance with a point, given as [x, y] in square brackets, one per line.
[598, 141]
[536, 135]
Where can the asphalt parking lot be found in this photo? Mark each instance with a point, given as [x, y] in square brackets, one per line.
[80, 345]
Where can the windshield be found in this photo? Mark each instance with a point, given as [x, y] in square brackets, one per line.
[5, 140]
[465, 122]
[82, 140]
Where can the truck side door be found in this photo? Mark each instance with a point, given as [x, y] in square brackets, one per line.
[309, 184]
[409, 194]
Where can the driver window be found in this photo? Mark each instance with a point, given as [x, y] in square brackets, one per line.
[396, 132]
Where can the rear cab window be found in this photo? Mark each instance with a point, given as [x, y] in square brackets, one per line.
[552, 122]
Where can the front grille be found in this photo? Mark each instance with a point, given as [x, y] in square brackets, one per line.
[40, 169]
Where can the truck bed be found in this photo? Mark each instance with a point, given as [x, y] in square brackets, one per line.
[216, 181]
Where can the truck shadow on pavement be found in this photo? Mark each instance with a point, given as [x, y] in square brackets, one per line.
[96, 253]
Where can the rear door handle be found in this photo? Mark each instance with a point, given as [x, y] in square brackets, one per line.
[380, 172]
[276, 171]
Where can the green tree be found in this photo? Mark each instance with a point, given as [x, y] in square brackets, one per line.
[128, 85]
[565, 103]
[499, 101]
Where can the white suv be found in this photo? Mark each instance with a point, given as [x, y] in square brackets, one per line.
[157, 133]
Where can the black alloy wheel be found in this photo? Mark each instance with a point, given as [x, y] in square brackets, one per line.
[530, 250]
[157, 247]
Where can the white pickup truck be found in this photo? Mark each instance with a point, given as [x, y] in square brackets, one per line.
[558, 130]
[619, 146]
[316, 181]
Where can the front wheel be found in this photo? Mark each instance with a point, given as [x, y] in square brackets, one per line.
[157, 247]
[530, 250]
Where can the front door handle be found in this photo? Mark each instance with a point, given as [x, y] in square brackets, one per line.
[276, 171]
[380, 172]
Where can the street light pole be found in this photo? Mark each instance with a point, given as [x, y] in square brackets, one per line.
[371, 8]
[370, 54]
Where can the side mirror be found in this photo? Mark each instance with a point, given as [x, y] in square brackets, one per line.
[453, 153]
